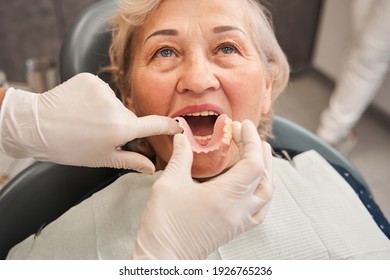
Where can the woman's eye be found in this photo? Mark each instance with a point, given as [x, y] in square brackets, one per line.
[165, 52]
[228, 49]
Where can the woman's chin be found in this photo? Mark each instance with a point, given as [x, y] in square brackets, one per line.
[204, 165]
[208, 165]
[202, 172]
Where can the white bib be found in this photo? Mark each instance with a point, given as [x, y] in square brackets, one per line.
[314, 214]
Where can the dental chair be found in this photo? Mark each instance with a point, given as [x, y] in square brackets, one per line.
[44, 191]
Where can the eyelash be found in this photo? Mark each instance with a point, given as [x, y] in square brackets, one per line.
[160, 50]
[227, 45]
[219, 48]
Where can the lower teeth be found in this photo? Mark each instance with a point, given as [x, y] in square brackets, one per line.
[227, 136]
[203, 138]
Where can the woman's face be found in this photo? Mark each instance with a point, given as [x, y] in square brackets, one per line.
[193, 57]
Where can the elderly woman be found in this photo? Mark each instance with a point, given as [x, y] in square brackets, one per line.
[215, 67]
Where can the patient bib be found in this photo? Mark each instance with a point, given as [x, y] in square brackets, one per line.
[314, 214]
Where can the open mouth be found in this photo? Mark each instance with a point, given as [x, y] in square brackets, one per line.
[202, 125]
[207, 130]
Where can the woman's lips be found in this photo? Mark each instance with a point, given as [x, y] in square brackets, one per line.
[221, 136]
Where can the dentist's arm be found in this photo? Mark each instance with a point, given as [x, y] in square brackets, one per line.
[80, 122]
[188, 220]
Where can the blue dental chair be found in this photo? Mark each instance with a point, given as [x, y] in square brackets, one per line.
[44, 191]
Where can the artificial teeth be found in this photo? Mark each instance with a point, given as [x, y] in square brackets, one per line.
[203, 138]
[203, 114]
[220, 139]
[227, 129]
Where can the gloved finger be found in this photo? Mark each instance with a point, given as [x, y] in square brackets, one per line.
[266, 185]
[247, 136]
[181, 161]
[265, 189]
[87, 85]
[251, 141]
[156, 125]
[251, 166]
[256, 210]
[236, 132]
[131, 160]
[260, 215]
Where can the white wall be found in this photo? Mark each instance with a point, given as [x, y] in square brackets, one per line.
[332, 40]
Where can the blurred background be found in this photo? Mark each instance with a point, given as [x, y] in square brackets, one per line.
[313, 33]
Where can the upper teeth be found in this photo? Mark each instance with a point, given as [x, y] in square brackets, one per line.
[203, 114]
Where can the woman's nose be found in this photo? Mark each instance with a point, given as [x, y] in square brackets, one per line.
[197, 76]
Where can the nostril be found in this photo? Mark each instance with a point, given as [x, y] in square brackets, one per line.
[198, 80]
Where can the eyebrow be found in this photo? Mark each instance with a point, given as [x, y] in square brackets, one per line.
[163, 32]
[226, 28]
[175, 32]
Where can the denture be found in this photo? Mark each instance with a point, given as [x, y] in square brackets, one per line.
[220, 137]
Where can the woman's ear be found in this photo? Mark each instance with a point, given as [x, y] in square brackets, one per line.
[267, 95]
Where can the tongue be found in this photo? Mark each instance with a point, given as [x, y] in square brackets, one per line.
[201, 126]
[215, 142]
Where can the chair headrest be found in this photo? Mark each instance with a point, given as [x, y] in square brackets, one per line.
[85, 47]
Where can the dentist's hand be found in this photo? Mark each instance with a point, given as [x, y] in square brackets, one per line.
[80, 122]
[188, 220]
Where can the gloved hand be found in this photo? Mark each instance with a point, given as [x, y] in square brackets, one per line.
[80, 122]
[184, 219]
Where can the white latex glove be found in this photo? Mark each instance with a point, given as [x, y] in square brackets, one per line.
[80, 122]
[184, 219]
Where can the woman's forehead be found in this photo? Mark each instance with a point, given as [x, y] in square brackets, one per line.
[213, 13]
